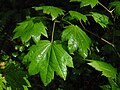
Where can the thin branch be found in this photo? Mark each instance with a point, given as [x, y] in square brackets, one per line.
[101, 39]
[53, 32]
[110, 11]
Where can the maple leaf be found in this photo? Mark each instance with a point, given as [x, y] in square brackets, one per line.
[102, 19]
[78, 16]
[47, 58]
[53, 11]
[28, 29]
[77, 39]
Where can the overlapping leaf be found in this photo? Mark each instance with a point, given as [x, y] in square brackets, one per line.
[2, 82]
[103, 20]
[84, 3]
[116, 5]
[53, 11]
[16, 78]
[78, 16]
[28, 29]
[107, 69]
[77, 39]
[47, 58]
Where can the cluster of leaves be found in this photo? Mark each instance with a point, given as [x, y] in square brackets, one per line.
[49, 58]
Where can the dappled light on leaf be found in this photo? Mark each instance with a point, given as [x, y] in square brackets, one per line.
[47, 58]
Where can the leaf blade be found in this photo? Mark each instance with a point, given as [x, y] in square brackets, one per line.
[78, 16]
[47, 58]
[107, 69]
[53, 11]
[28, 29]
[77, 39]
[103, 20]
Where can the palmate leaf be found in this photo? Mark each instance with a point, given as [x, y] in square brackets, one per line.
[107, 69]
[47, 58]
[30, 28]
[78, 16]
[103, 20]
[116, 5]
[77, 39]
[53, 11]
[84, 3]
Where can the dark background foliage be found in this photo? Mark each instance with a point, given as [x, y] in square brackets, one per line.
[82, 77]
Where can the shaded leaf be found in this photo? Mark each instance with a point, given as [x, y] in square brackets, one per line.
[47, 58]
[78, 16]
[28, 29]
[53, 11]
[84, 3]
[77, 39]
[16, 77]
[116, 5]
[107, 69]
[103, 20]
[105, 87]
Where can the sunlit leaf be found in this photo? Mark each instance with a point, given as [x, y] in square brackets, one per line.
[107, 69]
[2, 82]
[102, 19]
[28, 29]
[47, 58]
[84, 3]
[77, 39]
[116, 5]
[78, 16]
[113, 84]
[53, 11]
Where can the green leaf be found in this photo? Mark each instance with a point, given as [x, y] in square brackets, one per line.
[53, 11]
[15, 77]
[103, 20]
[113, 84]
[116, 5]
[77, 39]
[105, 87]
[107, 69]
[84, 3]
[2, 82]
[47, 58]
[28, 29]
[78, 16]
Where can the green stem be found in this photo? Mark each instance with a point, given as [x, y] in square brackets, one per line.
[67, 21]
[53, 30]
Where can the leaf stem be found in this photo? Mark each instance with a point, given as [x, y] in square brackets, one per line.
[101, 39]
[53, 30]
[67, 21]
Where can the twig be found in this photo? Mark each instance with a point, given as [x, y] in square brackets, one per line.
[101, 39]
[110, 11]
